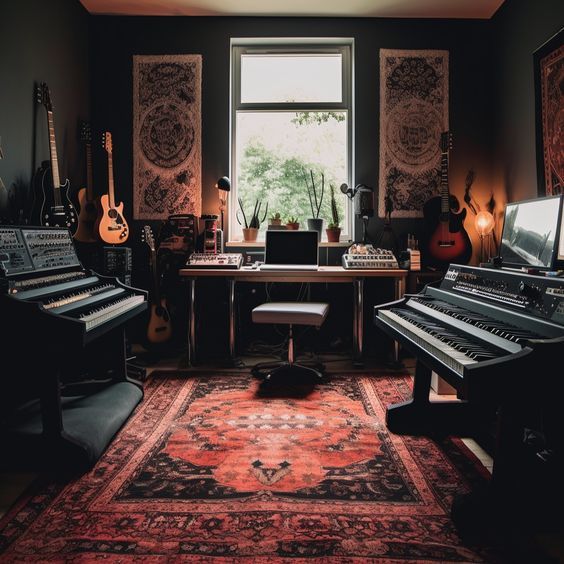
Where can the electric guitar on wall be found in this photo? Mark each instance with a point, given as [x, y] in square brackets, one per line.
[449, 241]
[52, 206]
[86, 232]
[111, 224]
[159, 329]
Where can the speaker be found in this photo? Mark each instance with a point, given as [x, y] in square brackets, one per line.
[118, 262]
[178, 234]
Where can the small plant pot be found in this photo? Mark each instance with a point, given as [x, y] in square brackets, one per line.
[333, 234]
[250, 234]
[315, 224]
[292, 226]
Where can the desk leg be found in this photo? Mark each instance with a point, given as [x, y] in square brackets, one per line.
[358, 320]
[231, 283]
[191, 321]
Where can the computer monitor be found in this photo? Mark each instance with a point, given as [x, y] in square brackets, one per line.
[532, 234]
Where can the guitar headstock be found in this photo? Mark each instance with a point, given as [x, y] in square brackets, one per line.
[446, 142]
[85, 133]
[148, 237]
[107, 142]
[44, 96]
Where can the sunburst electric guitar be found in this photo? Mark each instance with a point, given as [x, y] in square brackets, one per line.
[52, 206]
[111, 225]
[449, 241]
[88, 214]
[159, 329]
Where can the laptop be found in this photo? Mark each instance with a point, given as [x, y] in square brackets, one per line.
[291, 250]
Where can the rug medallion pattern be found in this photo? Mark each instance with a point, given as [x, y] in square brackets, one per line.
[209, 468]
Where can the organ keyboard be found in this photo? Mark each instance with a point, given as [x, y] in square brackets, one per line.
[497, 337]
[480, 324]
[40, 266]
[63, 336]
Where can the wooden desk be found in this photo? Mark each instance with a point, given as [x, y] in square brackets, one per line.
[325, 274]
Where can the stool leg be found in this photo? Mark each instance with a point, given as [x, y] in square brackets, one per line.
[290, 346]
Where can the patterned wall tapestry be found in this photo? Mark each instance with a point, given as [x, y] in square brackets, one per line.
[167, 148]
[413, 113]
[552, 96]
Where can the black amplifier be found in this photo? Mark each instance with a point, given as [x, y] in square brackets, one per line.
[178, 234]
[118, 262]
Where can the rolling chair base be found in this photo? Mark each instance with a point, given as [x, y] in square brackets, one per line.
[281, 371]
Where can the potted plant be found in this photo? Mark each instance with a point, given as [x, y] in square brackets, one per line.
[250, 231]
[293, 223]
[315, 223]
[333, 230]
[275, 221]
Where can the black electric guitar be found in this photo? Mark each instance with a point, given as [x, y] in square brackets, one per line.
[86, 232]
[449, 241]
[52, 206]
[159, 329]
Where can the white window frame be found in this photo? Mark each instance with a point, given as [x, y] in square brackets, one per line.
[292, 45]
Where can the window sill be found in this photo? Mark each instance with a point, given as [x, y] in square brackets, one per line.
[260, 244]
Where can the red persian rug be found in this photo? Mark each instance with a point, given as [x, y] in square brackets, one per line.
[210, 469]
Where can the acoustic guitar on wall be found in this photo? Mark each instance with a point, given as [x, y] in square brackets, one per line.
[52, 206]
[159, 329]
[88, 214]
[449, 241]
[111, 225]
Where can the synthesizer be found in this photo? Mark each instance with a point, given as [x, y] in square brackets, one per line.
[63, 339]
[497, 337]
[368, 257]
[40, 266]
[215, 260]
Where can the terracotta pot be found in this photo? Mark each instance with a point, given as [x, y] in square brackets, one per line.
[292, 226]
[250, 234]
[333, 234]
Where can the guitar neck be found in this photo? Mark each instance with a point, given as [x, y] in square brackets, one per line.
[89, 183]
[445, 196]
[156, 290]
[54, 159]
[111, 197]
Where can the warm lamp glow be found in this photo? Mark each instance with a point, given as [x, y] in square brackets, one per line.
[484, 223]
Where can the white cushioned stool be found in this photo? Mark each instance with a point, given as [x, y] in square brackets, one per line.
[289, 313]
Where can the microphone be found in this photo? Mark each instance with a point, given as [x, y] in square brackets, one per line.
[364, 202]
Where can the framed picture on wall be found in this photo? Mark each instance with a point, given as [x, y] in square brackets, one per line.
[548, 62]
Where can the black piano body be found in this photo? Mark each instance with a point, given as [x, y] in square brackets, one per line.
[497, 337]
[63, 331]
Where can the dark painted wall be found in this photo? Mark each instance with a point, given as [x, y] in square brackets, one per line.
[41, 42]
[519, 27]
[116, 39]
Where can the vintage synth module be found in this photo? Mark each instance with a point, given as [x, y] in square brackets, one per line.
[368, 257]
[215, 260]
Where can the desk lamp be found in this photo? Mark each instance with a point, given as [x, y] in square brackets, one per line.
[484, 224]
[224, 186]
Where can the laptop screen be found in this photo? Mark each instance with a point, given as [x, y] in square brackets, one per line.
[291, 247]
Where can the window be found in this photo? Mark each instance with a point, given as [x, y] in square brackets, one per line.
[291, 118]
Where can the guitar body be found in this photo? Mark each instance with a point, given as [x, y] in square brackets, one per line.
[159, 329]
[449, 241]
[46, 211]
[111, 224]
[87, 217]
